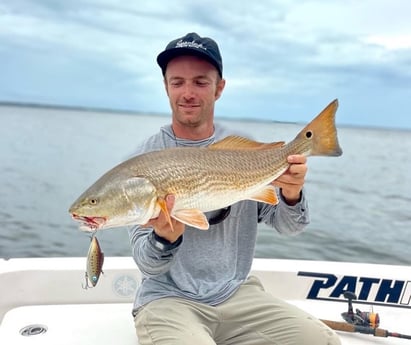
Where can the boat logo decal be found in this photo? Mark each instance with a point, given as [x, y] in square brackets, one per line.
[370, 290]
[125, 285]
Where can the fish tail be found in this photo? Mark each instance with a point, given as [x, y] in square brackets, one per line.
[322, 133]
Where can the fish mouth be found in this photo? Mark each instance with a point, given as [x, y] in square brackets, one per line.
[89, 223]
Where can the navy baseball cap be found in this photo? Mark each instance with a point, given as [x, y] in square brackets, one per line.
[192, 44]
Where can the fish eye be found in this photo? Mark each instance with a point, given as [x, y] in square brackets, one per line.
[308, 134]
[93, 201]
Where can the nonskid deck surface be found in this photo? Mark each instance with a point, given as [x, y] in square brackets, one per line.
[84, 324]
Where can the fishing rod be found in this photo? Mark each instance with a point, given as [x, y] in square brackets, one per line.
[361, 322]
[377, 332]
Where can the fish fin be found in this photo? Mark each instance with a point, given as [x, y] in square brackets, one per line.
[163, 206]
[267, 195]
[323, 133]
[192, 217]
[240, 143]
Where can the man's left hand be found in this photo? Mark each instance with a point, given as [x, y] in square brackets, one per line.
[291, 182]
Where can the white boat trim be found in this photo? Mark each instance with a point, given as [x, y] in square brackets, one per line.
[48, 292]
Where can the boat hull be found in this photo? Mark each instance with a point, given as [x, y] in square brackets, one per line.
[44, 298]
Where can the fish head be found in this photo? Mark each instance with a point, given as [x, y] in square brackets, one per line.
[115, 202]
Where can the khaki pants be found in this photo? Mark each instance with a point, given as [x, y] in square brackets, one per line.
[250, 317]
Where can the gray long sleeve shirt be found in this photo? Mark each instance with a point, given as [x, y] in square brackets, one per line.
[206, 266]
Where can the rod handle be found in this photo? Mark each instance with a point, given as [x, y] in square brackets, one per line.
[346, 327]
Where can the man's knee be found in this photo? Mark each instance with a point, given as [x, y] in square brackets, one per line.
[161, 326]
[313, 331]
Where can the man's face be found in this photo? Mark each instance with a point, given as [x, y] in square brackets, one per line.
[193, 85]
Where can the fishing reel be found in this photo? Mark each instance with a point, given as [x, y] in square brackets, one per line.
[361, 322]
[359, 318]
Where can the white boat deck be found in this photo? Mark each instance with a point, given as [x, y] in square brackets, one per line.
[47, 293]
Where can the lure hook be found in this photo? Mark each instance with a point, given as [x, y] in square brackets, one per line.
[86, 285]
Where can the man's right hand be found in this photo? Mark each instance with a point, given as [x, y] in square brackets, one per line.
[162, 227]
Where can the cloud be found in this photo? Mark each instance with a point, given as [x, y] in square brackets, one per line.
[102, 53]
[391, 42]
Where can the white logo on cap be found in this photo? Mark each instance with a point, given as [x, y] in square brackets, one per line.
[189, 44]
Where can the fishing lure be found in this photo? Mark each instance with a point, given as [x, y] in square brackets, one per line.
[95, 259]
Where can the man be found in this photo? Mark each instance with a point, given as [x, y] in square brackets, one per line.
[196, 288]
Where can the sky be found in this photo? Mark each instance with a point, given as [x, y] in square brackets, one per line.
[284, 60]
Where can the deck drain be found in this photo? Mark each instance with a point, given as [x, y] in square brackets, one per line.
[36, 329]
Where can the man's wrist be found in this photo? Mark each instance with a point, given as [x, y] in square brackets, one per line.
[291, 201]
[162, 243]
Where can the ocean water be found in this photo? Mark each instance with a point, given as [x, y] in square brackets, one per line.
[360, 202]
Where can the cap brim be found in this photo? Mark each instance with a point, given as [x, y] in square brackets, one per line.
[166, 56]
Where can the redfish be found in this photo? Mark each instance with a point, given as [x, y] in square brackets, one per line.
[201, 179]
